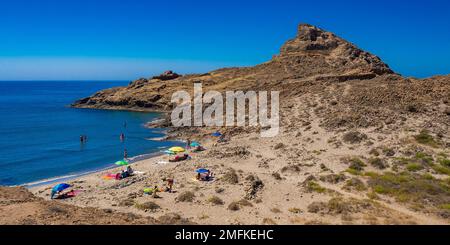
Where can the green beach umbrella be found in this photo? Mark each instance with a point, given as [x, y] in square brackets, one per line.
[122, 163]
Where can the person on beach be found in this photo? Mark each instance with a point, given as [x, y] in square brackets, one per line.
[179, 158]
[188, 144]
[130, 171]
[123, 174]
[169, 185]
[198, 148]
[155, 191]
[222, 139]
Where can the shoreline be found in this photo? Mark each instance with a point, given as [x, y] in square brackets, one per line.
[74, 176]
[131, 160]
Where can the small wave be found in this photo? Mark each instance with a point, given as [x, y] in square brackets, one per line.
[131, 160]
[144, 157]
[48, 181]
[157, 138]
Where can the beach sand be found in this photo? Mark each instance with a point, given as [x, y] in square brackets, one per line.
[258, 181]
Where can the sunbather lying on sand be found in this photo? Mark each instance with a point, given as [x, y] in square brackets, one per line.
[67, 195]
[125, 173]
[179, 158]
[198, 148]
[205, 176]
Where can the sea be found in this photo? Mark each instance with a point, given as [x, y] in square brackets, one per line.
[40, 132]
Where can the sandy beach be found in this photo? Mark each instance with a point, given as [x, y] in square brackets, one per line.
[258, 181]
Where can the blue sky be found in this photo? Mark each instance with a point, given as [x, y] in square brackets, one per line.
[124, 40]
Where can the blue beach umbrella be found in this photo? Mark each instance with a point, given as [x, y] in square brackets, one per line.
[216, 134]
[202, 171]
[58, 188]
[195, 144]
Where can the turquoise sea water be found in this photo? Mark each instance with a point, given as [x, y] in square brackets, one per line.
[40, 133]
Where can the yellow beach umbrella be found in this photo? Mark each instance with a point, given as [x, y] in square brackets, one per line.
[177, 149]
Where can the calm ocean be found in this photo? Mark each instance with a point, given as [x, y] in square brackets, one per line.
[40, 134]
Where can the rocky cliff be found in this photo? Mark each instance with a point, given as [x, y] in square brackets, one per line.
[314, 53]
[314, 62]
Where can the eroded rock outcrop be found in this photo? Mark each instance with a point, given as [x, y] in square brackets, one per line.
[363, 90]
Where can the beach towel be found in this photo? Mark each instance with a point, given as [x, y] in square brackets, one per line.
[70, 194]
[109, 176]
[150, 190]
[73, 193]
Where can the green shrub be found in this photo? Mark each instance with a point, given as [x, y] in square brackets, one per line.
[374, 152]
[356, 184]
[444, 162]
[370, 174]
[445, 206]
[245, 203]
[354, 137]
[414, 167]
[412, 188]
[186, 196]
[425, 138]
[353, 171]
[380, 189]
[357, 164]
[315, 187]
[216, 200]
[295, 210]
[441, 169]
[424, 158]
[231, 177]
[234, 206]
[378, 163]
[147, 206]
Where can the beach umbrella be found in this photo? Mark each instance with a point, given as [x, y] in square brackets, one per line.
[122, 163]
[177, 149]
[216, 134]
[195, 144]
[202, 171]
[58, 188]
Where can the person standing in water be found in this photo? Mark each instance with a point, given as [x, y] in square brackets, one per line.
[122, 137]
[188, 144]
[125, 154]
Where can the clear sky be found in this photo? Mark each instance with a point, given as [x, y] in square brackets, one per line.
[117, 40]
